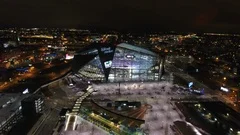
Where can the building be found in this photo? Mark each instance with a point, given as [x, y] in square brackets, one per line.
[32, 106]
[10, 110]
[118, 63]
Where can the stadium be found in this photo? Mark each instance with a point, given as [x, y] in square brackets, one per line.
[118, 63]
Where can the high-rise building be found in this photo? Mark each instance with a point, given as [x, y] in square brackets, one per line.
[32, 106]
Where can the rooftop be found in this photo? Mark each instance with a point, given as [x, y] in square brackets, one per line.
[10, 103]
[32, 98]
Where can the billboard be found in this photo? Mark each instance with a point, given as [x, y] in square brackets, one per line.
[106, 53]
[108, 64]
[107, 50]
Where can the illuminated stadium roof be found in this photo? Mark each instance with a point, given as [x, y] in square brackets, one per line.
[135, 48]
[124, 62]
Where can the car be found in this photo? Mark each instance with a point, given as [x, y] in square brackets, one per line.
[22, 81]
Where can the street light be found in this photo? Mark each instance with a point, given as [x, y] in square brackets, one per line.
[224, 78]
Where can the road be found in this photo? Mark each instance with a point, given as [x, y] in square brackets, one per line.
[47, 124]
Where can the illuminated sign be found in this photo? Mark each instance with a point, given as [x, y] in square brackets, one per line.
[69, 57]
[106, 50]
[224, 89]
[199, 91]
[108, 64]
[106, 53]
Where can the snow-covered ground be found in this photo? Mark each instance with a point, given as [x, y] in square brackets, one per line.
[86, 128]
[74, 90]
[157, 94]
[158, 118]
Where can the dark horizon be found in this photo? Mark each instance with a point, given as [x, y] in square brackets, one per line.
[183, 16]
[126, 30]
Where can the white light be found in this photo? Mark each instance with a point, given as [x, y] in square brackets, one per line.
[5, 45]
[67, 122]
[194, 129]
[25, 91]
[74, 124]
[69, 57]
[224, 89]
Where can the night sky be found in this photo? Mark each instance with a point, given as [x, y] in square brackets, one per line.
[178, 15]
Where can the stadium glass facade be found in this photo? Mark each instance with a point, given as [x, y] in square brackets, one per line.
[121, 63]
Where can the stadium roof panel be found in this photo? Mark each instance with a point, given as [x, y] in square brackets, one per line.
[135, 48]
